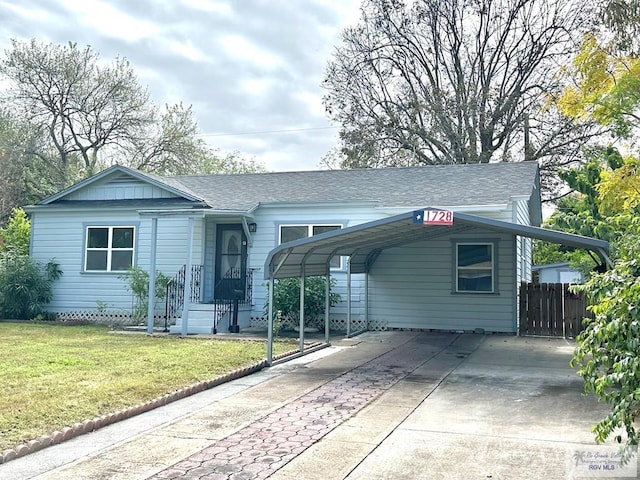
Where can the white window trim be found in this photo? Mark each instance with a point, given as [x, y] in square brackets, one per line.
[109, 249]
[492, 268]
[310, 226]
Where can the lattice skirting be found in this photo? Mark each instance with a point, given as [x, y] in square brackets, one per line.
[103, 318]
[337, 324]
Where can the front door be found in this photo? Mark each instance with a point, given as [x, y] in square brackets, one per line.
[231, 263]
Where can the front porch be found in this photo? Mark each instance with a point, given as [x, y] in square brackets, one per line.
[226, 307]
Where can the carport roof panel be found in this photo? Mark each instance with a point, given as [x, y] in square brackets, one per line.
[363, 241]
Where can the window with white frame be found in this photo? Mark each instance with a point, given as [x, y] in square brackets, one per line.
[109, 249]
[288, 233]
[475, 271]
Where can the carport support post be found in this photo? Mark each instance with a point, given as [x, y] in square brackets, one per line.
[270, 325]
[152, 275]
[366, 300]
[302, 310]
[187, 280]
[327, 302]
[349, 296]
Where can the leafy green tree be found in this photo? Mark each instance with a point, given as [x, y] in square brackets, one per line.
[286, 297]
[608, 352]
[16, 235]
[579, 212]
[622, 17]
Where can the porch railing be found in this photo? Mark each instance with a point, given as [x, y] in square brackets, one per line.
[174, 299]
[232, 286]
[231, 291]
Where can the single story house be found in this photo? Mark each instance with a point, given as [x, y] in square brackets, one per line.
[225, 238]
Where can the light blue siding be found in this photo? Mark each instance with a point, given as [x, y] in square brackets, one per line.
[62, 237]
[524, 245]
[411, 287]
[121, 188]
[265, 239]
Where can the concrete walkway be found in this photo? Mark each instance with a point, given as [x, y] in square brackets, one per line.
[382, 405]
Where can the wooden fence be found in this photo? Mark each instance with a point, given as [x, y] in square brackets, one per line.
[551, 309]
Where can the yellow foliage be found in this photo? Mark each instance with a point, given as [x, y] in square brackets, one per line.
[619, 190]
[602, 83]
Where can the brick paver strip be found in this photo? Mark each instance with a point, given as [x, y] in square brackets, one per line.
[258, 450]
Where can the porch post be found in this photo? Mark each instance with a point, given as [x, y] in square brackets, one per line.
[187, 280]
[152, 275]
[327, 303]
[270, 324]
[349, 296]
[302, 309]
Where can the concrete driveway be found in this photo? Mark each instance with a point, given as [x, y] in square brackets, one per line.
[383, 405]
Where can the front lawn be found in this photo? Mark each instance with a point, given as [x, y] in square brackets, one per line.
[53, 376]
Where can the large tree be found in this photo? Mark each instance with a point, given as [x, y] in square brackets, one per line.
[66, 115]
[428, 82]
[25, 177]
[94, 113]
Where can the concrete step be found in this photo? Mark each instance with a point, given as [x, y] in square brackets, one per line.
[201, 317]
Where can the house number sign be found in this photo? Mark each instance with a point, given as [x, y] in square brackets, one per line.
[433, 217]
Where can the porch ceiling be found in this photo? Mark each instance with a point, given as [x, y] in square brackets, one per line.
[363, 243]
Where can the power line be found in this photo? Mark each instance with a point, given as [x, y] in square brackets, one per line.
[289, 130]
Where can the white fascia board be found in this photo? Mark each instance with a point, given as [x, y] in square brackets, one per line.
[498, 207]
[196, 212]
[318, 204]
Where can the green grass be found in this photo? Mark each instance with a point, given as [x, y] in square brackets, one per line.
[53, 376]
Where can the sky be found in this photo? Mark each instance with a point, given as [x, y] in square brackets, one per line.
[252, 69]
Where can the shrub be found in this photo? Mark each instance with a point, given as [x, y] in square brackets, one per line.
[24, 285]
[286, 297]
[138, 284]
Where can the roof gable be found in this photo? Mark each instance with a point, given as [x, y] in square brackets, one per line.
[121, 183]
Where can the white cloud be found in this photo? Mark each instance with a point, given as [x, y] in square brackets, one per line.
[108, 20]
[241, 48]
[245, 65]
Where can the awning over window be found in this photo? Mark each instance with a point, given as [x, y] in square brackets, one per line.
[364, 242]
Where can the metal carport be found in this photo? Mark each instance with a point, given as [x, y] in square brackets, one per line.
[363, 244]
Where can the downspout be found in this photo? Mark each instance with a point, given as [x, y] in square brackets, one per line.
[247, 233]
[152, 275]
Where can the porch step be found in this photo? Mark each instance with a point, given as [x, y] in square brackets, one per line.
[201, 317]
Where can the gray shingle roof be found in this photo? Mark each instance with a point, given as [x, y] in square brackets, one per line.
[436, 185]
